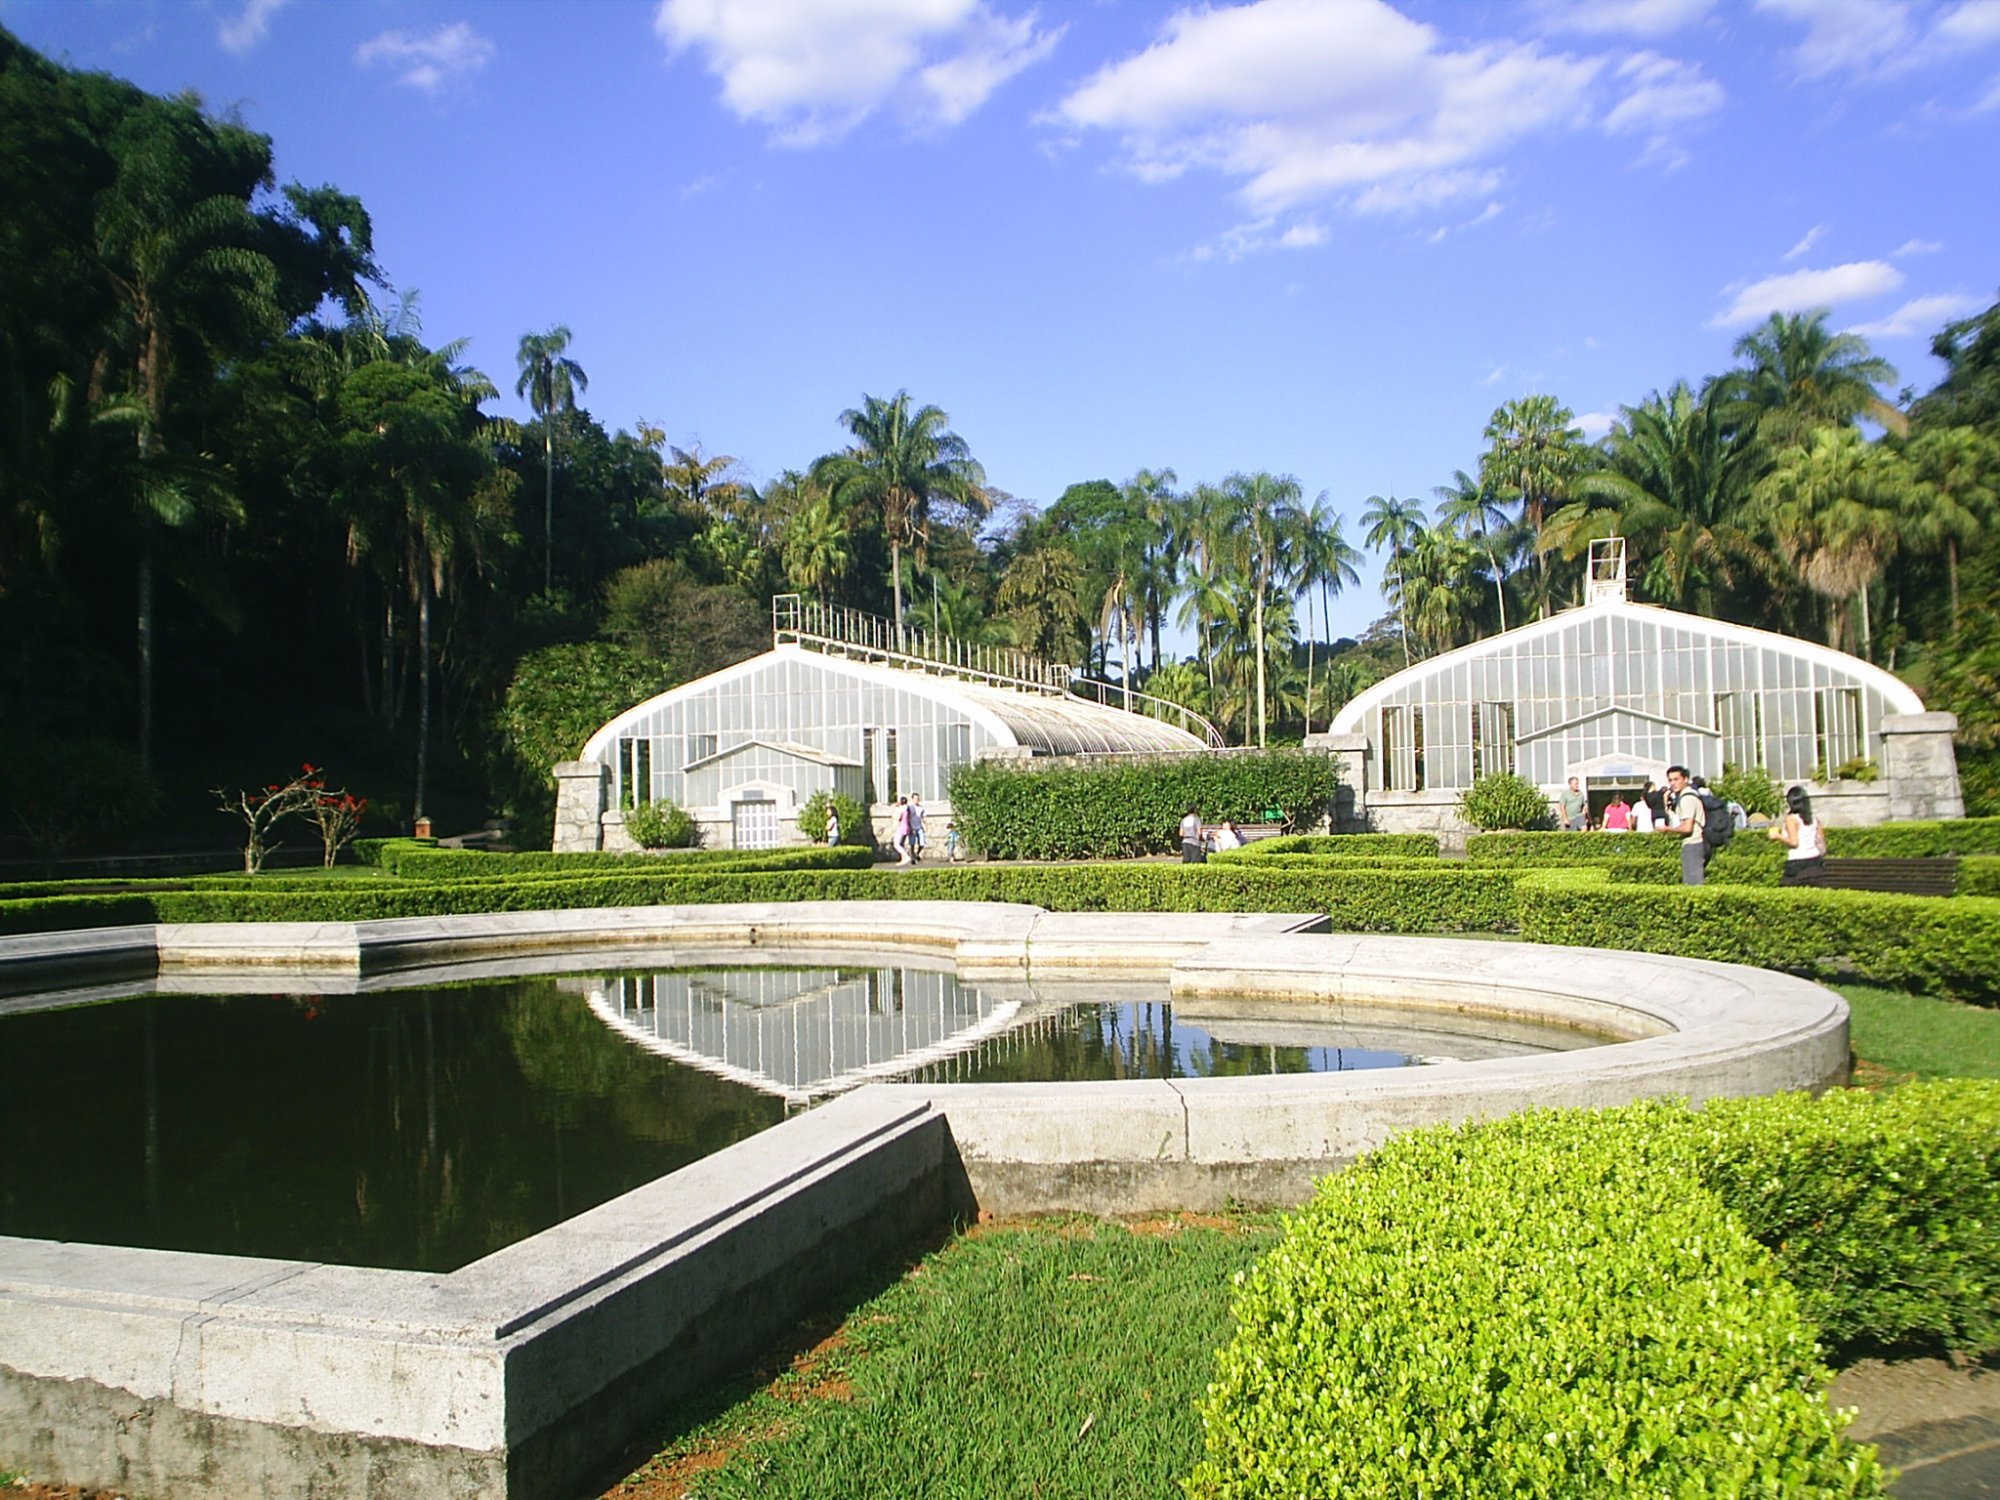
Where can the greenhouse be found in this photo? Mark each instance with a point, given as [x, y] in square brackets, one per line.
[1614, 692]
[841, 703]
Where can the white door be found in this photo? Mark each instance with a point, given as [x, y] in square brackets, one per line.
[753, 825]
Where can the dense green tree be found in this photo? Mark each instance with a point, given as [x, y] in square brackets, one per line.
[1799, 376]
[1533, 457]
[1394, 524]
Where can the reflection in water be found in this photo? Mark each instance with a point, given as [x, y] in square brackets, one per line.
[423, 1128]
[418, 1129]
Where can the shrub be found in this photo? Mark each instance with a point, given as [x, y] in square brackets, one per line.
[661, 825]
[1920, 943]
[1916, 840]
[1979, 875]
[1753, 790]
[1366, 846]
[1504, 800]
[856, 827]
[1538, 1306]
[1883, 1209]
[1565, 848]
[1111, 811]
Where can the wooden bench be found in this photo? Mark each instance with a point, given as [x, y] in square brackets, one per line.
[1937, 876]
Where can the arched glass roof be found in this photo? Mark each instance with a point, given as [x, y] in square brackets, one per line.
[1616, 679]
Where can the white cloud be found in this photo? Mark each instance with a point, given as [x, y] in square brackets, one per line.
[1665, 94]
[1640, 18]
[1303, 101]
[1990, 100]
[1975, 23]
[1916, 247]
[1259, 236]
[1922, 315]
[1799, 291]
[812, 70]
[248, 29]
[1812, 237]
[428, 62]
[1864, 37]
[1595, 424]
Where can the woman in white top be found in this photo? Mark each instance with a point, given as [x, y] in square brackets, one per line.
[1642, 815]
[1804, 841]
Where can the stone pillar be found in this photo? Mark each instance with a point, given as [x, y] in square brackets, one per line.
[1920, 767]
[582, 788]
[1350, 756]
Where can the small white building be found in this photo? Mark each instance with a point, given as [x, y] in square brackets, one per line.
[840, 703]
[1614, 692]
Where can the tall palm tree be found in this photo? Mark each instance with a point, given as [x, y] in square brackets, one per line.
[1150, 498]
[1475, 512]
[1439, 581]
[1261, 511]
[1324, 561]
[1394, 524]
[1956, 496]
[550, 380]
[1197, 521]
[1835, 509]
[1534, 454]
[1042, 592]
[902, 462]
[185, 275]
[1800, 376]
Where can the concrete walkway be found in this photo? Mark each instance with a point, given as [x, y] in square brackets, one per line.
[1937, 1423]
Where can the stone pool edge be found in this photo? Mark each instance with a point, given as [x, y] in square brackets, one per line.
[521, 1374]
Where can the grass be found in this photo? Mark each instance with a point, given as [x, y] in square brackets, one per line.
[1059, 1358]
[1921, 1036]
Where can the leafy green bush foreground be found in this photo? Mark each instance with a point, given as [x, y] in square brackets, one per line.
[1620, 1302]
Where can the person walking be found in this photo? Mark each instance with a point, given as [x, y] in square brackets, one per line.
[1191, 851]
[899, 831]
[832, 824]
[1689, 820]
[1803, 838]
[916, 826]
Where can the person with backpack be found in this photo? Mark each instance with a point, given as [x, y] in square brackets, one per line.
[1688, 816]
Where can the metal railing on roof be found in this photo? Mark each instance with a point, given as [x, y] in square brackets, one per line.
[1115, 695]
[855, 633]
[866, 637]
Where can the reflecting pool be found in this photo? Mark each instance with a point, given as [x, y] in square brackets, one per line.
[422, 1128]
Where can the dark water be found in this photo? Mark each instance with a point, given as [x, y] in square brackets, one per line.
[424, 1128]
[416, 1129]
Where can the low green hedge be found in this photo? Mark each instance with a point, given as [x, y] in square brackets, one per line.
[1916, 840]
[414, 861]
[1883, 1209]
[1414, 897]
[1979, 875]
[1344, 845]
[1564, 848]
[1906, 942]
[1539, 1306]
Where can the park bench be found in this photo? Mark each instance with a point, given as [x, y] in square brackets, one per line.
[1937, 876]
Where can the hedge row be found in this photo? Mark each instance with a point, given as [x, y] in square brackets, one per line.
[418, 861]
[1906, 942]
[1342, 845]
[1538, 1306]
[1979, 875]
[1916, 840]
[1125, 809]
[1415, 897]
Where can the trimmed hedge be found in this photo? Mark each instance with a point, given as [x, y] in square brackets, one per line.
[1906, 942]
[1916, 840]
[1883, 1209]
[1416, 897]
[1979, 875]
[1539, 1306]
[1122, 809]
[415, 861]
[1564, 848]
[1344, 845]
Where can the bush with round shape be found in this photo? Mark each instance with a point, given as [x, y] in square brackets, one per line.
[661, 825]
[1753, 790]
[1537, 1306]
[856, 827]
[1504, 800]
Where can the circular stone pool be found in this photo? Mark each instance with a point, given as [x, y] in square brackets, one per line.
[523, 1372]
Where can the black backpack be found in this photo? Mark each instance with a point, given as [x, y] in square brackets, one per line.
[1717, 826]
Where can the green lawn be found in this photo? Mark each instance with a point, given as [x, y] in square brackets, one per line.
[1059, 1359]
[1921, 1035]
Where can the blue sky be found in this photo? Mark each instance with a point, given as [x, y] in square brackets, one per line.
[1321, 237]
